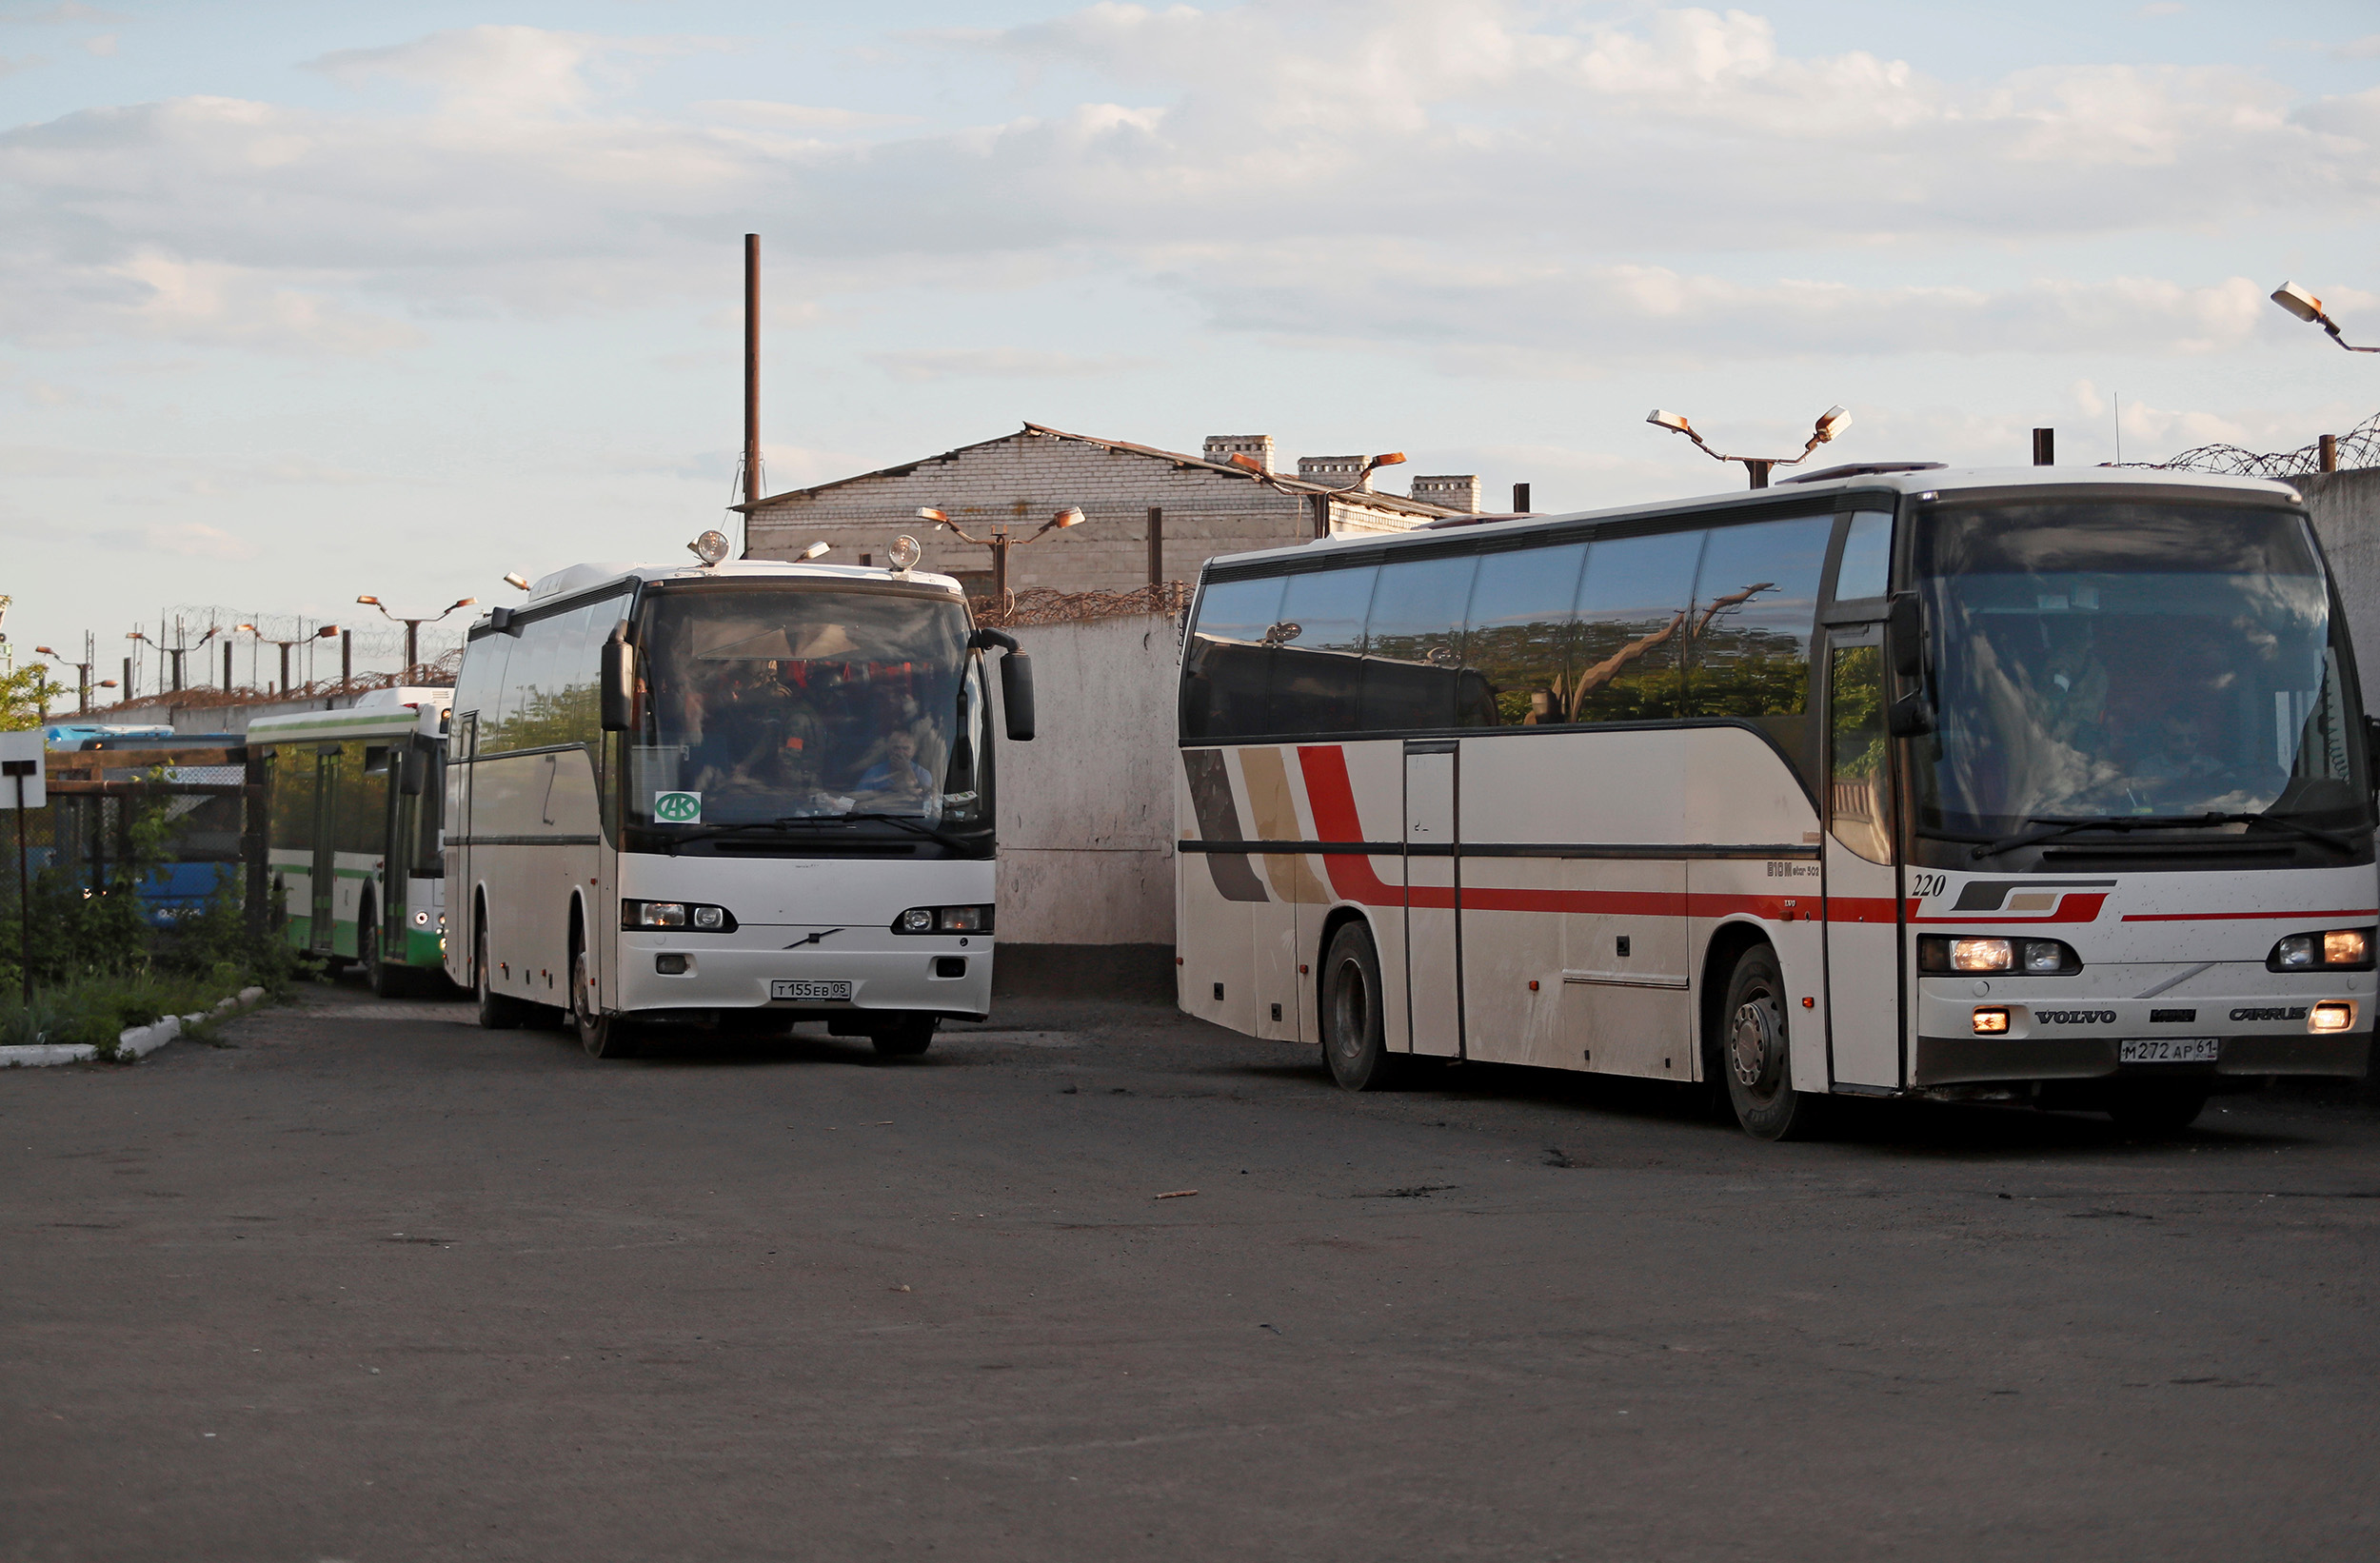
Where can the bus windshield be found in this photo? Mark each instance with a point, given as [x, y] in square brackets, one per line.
[2129, 660]
[772, 705]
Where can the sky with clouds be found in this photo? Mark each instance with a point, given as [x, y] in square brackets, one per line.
[308, 300]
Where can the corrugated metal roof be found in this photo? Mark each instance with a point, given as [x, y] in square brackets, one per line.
[1394, 503]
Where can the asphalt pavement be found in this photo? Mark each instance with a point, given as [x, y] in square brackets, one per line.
[364, 1283]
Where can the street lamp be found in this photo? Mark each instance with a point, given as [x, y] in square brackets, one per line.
[2308, 308]
[413, 627]
[1000, 541]
[82, 677]
[517, 581]
[1830, 423]
[325, 633]
[176, 652]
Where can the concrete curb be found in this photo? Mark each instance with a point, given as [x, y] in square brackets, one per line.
[138, 1042]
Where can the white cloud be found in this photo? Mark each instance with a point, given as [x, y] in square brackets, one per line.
[2365, 48]
[998, 364]
[61, 15]
[1402, 171]
[103, 46]
[184, 539]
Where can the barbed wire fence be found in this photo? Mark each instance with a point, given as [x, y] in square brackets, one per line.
[377, 649]
[2359, 447]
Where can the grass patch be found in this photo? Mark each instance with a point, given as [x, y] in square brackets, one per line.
[97, 1008]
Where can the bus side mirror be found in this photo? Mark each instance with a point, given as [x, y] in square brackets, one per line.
[1016, 694]
[413, 773]
[618, 683]
[1904, 635]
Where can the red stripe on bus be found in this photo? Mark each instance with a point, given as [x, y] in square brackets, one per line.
[2239, 916]
[2071, 909]
[1331, 797]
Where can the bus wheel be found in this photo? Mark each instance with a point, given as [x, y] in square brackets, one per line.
[603, 1036]
[1355, 1042]
[387, 981]
[906, 1037]
[497, 1011]
[2157, 1107]
[1755, 1052]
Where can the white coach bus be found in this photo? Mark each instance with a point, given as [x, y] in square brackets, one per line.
[2044, 785]
[736, 794]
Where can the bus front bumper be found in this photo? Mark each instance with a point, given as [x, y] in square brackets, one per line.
[2261, 1025]
[933, 974]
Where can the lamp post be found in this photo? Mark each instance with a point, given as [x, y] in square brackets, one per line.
[1322, 501]
[1830, 423]
[82, 677]
[176, 652]
[2308, 308]
[413, 627]
[1000, 542]
[325, 633]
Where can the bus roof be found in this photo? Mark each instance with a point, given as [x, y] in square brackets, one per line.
[574, 579]
[394, 719]
[1789, 496]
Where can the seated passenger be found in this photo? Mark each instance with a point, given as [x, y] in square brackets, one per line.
[898, 775]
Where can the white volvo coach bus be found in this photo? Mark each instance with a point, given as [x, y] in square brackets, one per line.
[738, 794]
[2044, 785]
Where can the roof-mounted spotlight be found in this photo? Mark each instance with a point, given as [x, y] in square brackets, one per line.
[905, 553]
[711, 549]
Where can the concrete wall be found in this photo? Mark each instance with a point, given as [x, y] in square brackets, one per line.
[2346, 510]
[1021, 480]
[1086, 809]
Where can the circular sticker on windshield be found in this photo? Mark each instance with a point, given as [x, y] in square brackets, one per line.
[678, 808]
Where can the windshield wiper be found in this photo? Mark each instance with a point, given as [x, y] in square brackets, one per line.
[2054, 828]
[903, 820]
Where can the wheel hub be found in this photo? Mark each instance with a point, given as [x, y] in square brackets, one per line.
[1752, 1042]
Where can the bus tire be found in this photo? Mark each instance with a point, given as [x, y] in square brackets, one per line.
[1355, 1038]
[1755, 1052]
[603, 1034]
[2157, 1107]
[497, 1011]
[906, 1035]
[387, 981]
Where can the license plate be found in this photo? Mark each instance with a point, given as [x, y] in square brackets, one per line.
[801, 988]
[2170, 1050]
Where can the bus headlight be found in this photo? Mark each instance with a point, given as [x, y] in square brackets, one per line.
[1941, 955]
[702, 918]
[945, 920]
[2337, 949]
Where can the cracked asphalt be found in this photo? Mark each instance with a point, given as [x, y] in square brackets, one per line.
[367, 1284]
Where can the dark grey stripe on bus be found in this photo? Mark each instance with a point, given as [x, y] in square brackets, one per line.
[523, 841]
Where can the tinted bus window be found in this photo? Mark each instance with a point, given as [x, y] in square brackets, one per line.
[1755, 605]
[1317, 660]
[1633, 604]
[480, 687]
[1518, 634]
[1225, 674]
[1867, 566]
[1413, 648]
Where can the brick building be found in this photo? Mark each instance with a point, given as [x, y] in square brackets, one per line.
[1208, 506]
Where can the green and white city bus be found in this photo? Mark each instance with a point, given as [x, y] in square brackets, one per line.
[355, 832]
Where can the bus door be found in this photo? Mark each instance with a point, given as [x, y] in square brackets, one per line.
[1433, 960]
[461, 746]
[1862, 884]
[324, 877]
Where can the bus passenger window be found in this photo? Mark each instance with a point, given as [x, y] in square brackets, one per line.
[1225, 674]
[1632, 617]
[1413, 658]
[1756, 608]
[1317, 652]
[1858, 778]
[1519, 633]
